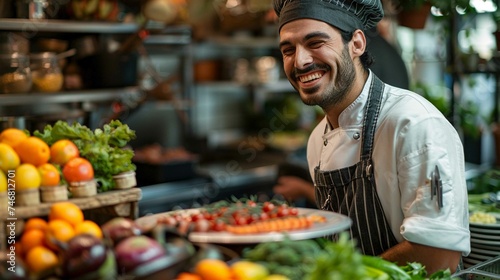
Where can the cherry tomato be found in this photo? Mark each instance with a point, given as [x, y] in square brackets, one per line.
[283, 212]
[208, 216]
[268, 206]
[264, 216]
[294, 211]
[251, 203]
[198, 216]
[219, 225]
[255, 217]
[78, 170]
[241, 220]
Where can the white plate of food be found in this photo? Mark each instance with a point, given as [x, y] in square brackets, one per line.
[332, 223]
[489, 226]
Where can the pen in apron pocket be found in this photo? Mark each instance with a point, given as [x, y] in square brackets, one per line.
[437, 187]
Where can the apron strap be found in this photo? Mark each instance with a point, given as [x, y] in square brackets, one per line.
[371, 116]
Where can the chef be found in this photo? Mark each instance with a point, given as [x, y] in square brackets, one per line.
[384, 156]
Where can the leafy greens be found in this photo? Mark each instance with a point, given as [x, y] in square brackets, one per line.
[105, 148]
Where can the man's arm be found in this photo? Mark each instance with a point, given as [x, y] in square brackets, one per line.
[293, 188]
[432, 258]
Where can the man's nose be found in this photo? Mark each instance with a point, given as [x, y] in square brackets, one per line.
[303, 57]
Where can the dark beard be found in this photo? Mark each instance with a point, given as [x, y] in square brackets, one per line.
[343, 83]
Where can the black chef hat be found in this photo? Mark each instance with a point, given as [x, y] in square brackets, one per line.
[346, 15]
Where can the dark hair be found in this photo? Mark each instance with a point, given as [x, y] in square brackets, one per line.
[366, 58]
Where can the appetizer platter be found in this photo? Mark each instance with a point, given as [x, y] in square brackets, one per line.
[250, 222]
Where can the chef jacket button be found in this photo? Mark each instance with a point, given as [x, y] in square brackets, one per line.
[356, 136]
[325, 142]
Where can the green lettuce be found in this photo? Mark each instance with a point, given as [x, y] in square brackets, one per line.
[105, 148]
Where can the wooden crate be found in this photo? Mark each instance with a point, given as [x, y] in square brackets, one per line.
[116, 203]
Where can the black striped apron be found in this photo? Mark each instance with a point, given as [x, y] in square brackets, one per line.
[352, 191]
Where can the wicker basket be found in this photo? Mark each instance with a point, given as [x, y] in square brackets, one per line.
[125, 180]
[487, 270]
[55, 193]
[28, 197]
[83, 189]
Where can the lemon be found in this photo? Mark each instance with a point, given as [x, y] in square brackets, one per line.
[246, 270]
[9, 159]
[3, 182]
[27, 177]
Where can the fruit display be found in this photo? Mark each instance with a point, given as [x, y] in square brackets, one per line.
[65, 160]
[103, 148]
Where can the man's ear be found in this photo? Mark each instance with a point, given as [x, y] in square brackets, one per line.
[358, 43]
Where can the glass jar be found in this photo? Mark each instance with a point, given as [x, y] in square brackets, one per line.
[15, 74]
[46, 73]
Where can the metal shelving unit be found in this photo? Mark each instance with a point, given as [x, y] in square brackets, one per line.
[34, 98]
[43, 25]
[161, 39]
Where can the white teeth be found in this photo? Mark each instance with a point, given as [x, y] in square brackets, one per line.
[311, 77]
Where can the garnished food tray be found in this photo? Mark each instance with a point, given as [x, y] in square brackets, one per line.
[332, 223]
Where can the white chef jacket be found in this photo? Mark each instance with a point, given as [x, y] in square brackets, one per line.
[410, 138]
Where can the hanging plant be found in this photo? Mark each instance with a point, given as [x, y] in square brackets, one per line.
[441, 9]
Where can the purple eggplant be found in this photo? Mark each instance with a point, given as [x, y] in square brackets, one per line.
[120, 228]
[85, 254]
[136, 251]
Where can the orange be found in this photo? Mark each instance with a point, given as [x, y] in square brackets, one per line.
[35, 223]
[50, 175]
[66, 211]
[32, 238]
[18, 249]
[213, 269]
[62, 151]
[78, 170]
[58, 231]
[27, 177]
[89, 227]
[12, 136]
[9, 159]
[188, 276]
[40, 258]
[33, 150]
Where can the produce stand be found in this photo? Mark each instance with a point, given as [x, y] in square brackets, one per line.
[123, 203]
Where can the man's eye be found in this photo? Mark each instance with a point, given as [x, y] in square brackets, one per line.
[287, 51]
[315, 44]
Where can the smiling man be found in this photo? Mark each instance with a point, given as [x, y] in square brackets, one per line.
[373, 154]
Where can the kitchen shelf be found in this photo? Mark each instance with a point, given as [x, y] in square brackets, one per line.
[275, 86]
[33, 26]
[34, 98]
[101, 27]
[244, 42]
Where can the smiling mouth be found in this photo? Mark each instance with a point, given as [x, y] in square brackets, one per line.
[310, 77]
